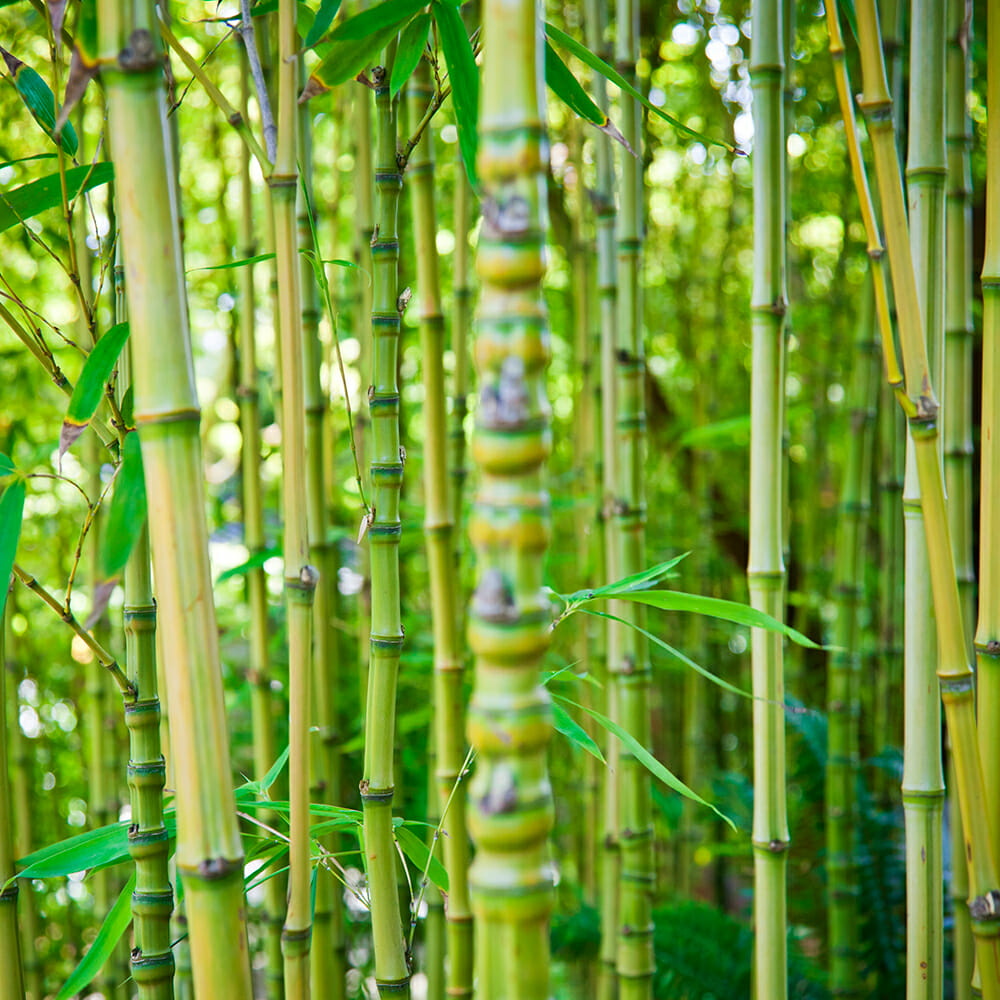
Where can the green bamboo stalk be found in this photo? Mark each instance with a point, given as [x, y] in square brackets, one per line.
[766, 570]
[391, 970]
[607, 290]
[922, 409]
[844, 667]
[12, 981]
[461, 325]
[301, 578]
[957, 430]
[923, 776]
[439, 527]
[258, 676]
[988, 625]
[509, 723]
[209, 853]
[629, 661]
[327, 957]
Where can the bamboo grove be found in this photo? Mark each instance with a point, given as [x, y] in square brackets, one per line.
[499, 500]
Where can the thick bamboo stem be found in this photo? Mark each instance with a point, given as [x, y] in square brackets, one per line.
[766, 570]
[391, 970]
[209, 852]
[509, 716]
[439, 528]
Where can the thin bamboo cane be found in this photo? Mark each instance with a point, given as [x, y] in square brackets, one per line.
[921, 406]
[957, 430]
[988, 626]
[635, 961]
[461, 325]
[766, 571]
[301, 578]
[509, 722]
[439, 528]
[607, 290]
[12, 980]
[209, 852]
[391, 969]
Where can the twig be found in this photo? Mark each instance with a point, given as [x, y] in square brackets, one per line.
[246, 34]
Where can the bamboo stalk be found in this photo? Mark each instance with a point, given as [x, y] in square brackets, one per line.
[957, 430]
[954, 667]
[209, 852]
[391, 968]
[509, 723]
[766, 570]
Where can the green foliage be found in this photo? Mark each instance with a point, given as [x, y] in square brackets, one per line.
[127, 516]
[11, 514]
[412, 43]
[464, 79]
[41, 102]
[32, 199]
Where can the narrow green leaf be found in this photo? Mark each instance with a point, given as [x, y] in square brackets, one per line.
[567, 88]
[276, 768]
[714, 607]
[647, 760]
[128, 509]
[40, 102]
[103, 846]
[27, 159]
[114, 926]
[89, 389]
[412, 42]
[257, 559]
[416, 850]
[637, 581]
[378, 18]
[11, 514]
[127, 408]
[6, 465]
[244, 262]
[574, 732]
[464, 79]
[324, 18]
[733, 430]
[610, 73]
[33, 198]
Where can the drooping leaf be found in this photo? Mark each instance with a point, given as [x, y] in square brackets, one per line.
[114, 926]
[416, 850]
[464, 79]
[376, 19]
[610, 73]
[567, 88]
[33, 198]
[412, 42]
[257, 559]
[714, 607]
[40, 102]
[89, 389]
[324, 18]
[11, 514]
[128, 509]
[574, 732]
[647, 760]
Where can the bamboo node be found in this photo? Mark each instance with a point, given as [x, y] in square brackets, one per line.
[140, 53]
[986, 906]
[494, 600]
[510, 217]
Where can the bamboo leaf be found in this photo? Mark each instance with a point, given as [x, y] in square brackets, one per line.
[11, 515]
[714, 607]
[27, 159]
[567, 88]
[647, 760]
[257, 559]
[610, 73]
[464, 79]
[29, 200]
[574, 732]
[127, 409]
[95, 848]
[6, 466]
[40, 102]
[275, 769]
[637, 581]
[89, 389]
[114, 926]
[244, 262]
[416, 850]
[324, 18]
[412, 42]
[733, 431]
[128, 509]
[378, 18]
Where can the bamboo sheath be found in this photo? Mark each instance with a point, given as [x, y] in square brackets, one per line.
[957, 423]
[988, 625]
[439, 527]
[12, 982]
[209, 852]
[509, 714]
[607, 285]
[766, 571]
[954, 667]
[391, 970]
[301, 578]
